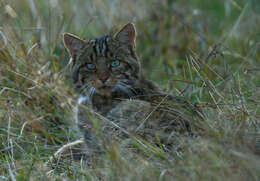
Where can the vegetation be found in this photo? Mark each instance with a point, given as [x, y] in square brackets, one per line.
[207, 51]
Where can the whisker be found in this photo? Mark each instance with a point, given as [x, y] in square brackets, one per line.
[125, 89]
[88, 90]
[128, 87]
[84, 87]
[92, 91]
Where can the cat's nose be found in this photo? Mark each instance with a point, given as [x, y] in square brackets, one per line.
[103, 78]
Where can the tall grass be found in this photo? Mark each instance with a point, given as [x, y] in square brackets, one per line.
[207, 51]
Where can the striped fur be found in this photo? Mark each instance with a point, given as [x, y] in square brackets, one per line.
[101, 85]
[101, 52]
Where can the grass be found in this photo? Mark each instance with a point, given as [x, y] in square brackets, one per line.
[210, 49]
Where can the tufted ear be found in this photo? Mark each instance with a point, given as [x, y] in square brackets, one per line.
[127, 34]
[73, 43]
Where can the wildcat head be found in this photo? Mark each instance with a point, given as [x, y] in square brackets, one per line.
[104, 65]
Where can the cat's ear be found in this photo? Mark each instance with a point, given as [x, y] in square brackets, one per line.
[72, 43]
[127, 34]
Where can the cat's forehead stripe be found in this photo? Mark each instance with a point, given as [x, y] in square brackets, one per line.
[100, 45]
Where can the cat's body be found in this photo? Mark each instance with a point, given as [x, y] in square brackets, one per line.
[107, 74]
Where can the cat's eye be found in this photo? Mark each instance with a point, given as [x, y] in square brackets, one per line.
[91, 66]
[115, 63]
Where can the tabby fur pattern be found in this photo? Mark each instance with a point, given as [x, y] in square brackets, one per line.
[107, 74]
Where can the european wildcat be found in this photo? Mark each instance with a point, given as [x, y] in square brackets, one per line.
[107, 74]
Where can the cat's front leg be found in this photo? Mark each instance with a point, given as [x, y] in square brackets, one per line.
[86, 123]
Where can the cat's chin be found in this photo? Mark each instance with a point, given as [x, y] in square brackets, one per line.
[105, 91]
